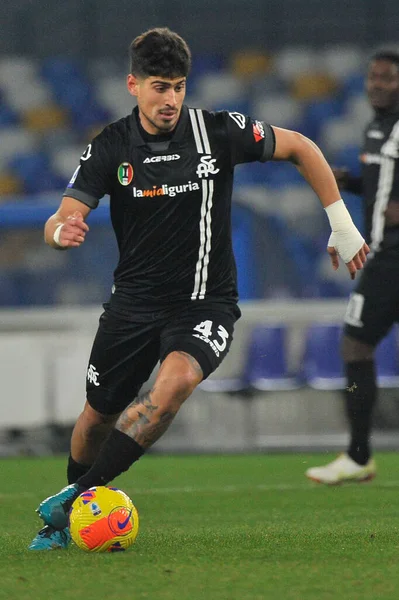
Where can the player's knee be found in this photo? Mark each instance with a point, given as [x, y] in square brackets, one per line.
[94, 418]
[176, 388]
[353, 350]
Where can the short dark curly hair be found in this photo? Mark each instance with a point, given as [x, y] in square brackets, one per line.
[389, 54]
[159, 52]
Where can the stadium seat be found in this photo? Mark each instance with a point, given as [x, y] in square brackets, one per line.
[39, 95]
[112, 93]
[57, 69]
[387, 360]
[44, 118]
[322, 366]
[308, 86]
[267, 367]
[339, 132]
[8, 116]
[34, 170]
[358, 109]
[222, 87]
[348, 157]
[342, 61]
[203, 63]
[86, 117]
[66, 160]
[9, 184]
[293, 60]
[250, 174]
[318, 112]
[277, 109]
[300, 208]
[15, 140]
[280, 174]
[249, 64]
[353, 85]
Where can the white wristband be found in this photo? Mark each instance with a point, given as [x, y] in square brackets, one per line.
[339, 216]
[56, 236]
[345, 237]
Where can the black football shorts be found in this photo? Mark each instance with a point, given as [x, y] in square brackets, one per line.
[374, 305]
[125, 350]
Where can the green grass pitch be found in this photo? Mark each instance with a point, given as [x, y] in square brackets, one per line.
[214, 528]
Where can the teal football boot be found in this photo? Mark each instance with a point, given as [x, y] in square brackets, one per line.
[54, 510]
[49, 538]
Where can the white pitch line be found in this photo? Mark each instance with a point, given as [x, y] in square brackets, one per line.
[282, 487]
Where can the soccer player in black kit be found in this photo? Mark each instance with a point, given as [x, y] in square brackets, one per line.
[373, 307]
[169, 172]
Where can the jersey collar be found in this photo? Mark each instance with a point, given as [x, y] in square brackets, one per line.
[137, 140]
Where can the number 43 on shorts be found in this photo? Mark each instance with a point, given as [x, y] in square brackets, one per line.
[217, 341]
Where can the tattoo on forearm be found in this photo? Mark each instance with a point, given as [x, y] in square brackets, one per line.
[143, 421]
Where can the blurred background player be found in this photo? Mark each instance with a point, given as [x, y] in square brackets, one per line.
[374, 305]
[175, 294]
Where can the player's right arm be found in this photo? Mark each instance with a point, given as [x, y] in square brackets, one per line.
[90, 182]
[67, 228]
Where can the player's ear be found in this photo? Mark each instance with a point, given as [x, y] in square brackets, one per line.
[132, 84]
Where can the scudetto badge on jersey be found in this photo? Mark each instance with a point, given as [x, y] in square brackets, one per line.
[125, 173]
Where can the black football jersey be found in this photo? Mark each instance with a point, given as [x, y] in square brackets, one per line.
[380, 178]
[170, 201]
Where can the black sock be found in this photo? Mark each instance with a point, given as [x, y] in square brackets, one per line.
[75, 470]
[360, 396]
[117, 454]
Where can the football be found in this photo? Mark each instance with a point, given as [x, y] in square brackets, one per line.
[103, 519]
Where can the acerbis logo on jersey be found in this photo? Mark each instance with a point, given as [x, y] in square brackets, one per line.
[165, 158]
[125, 173]
[165, 190]
[238, 118]
[207, 166]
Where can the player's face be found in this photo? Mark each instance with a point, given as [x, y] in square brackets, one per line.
[159, 100]
[382, 84]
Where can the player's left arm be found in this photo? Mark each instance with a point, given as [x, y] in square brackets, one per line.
[345, 240]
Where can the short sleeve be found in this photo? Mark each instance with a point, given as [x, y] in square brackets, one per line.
[92, 178]
[249, 139]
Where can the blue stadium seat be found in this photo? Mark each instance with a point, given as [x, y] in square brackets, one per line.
[348, 157]
[322, 366]
[58, 69]
[267, 367]
[353, 85]
[35, 172]
[202, 63]
[7, 116]
[29, 164]
[387, 360]
[250, 174]
[316, 113]
[280, 174]
[86, 116]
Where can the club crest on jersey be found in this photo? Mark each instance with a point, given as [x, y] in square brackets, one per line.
[206, 166]
[125, 173]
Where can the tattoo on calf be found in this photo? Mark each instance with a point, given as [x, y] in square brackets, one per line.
[144, 424]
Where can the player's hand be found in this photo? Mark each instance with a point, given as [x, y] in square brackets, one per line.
[353, 265]
[341, 175]
[73, 231]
